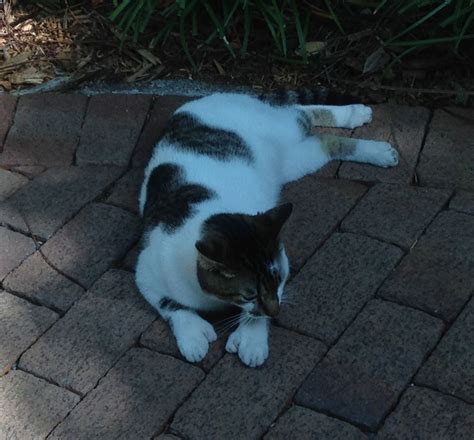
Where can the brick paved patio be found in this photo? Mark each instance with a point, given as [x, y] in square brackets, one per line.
[377, 343]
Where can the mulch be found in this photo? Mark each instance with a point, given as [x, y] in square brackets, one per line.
[79, 44]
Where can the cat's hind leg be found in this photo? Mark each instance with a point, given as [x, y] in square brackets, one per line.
[358, 150]
[345, 116]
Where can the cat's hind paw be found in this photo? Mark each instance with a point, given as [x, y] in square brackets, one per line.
[360, 115]
[386, 155]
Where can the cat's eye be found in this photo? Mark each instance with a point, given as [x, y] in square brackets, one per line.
[249, 296]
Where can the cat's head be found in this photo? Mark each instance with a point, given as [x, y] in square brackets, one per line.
[239, 259]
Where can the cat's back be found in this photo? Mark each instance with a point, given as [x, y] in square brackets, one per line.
[207, 148]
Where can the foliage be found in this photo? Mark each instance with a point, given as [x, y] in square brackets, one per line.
[401, 26]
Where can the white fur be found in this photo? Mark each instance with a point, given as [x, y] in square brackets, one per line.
[167, 264]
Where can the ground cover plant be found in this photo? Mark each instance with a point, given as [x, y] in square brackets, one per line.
[408, 47]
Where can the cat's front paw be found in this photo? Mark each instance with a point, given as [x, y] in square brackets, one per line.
[360, 115]
[194, 343]
[252, 351]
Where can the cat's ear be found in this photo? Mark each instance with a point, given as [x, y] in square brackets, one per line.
[210, 253]
[276, 217]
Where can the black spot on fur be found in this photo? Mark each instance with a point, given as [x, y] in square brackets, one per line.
[170, 198]
[189, 133]
[170, 305]
[304, 121]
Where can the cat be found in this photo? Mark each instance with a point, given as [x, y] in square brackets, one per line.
[210, 206]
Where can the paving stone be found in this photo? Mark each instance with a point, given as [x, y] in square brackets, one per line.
[46, 130]
[111, 129]
[238, 402]
[91, 242]
[448, 155]
[7, 112]
[450, 368]
[300, 423]
[167, 437]
[362, 376]
[463, 201]
[437, 274]
[15, 248]
[130, 260]
[126, 190]
[144, 389]
[426, 414]
[319, 206]
[29, 171]
[31, 407]
[79, 349]
[21, 323]
[38, 281]
[397, 214]
[162, 109]
[402, 126]
[159, 337]
[10, 182]
[66, 189]
[335, 284]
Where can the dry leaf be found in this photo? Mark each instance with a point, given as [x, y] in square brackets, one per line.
[376, 60]
[219, 68]
[16, 60]
[313, 47]
[28, 76]
[7, 85]
[149, 56]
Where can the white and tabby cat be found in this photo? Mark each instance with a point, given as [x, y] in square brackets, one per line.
[210, 206]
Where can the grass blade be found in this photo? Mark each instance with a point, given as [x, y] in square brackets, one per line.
[334, 16]
[420, 21]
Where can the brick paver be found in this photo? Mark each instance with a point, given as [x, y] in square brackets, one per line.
[426, 414]
[126, 190]
[403, 127]
[38, 281]
[9, 183]
[364, 373]
[451, 366]
[7, 109]
[302, 423]
[437, 275]
[240, 403]
[335, 284]
[358, 350]
[319, 206]
[15, 248]
[97, 237]
[162, 109]
[448, 156]
[79, 349]
[111, 129]
[30, 407]
[394, 213]
[463, 201]
[158, 337]
[45, 130]
[138, 388]
[21, 323]
[66, 190]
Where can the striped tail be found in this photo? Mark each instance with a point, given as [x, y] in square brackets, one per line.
[305, 96]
